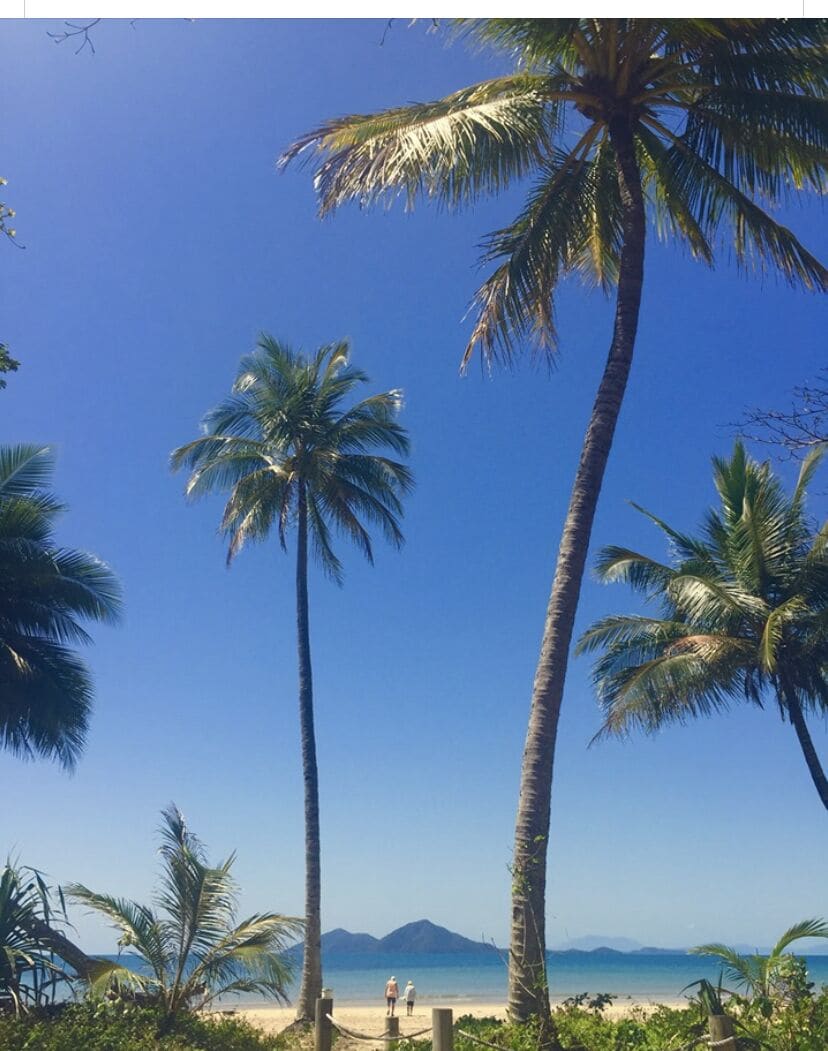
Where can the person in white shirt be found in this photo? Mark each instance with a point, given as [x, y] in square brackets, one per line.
[409, 995]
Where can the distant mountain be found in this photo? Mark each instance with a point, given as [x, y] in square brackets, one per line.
[340, 940]
[423, 936]
[601, 950]
[591, 942]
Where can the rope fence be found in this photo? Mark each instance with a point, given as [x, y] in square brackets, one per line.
[483, 1043]
[387, 1035]
[443, 1033]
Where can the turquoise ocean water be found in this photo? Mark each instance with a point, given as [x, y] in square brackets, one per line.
[361, 978]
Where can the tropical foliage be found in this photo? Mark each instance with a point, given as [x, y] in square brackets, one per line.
[292, 455]
[45, 595]
[723, 119]
[702, 127]
[29, 970]
[757, 975]
[799, 1024]
[192, 948]
[744, 613]
[7, 362]
[117, 1026]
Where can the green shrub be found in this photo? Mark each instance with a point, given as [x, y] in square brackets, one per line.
[799, 1023]
[107, 1027]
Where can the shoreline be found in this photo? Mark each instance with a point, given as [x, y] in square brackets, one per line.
[370, 1018]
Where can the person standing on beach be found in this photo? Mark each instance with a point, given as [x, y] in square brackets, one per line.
[409, 995]
[392, 991]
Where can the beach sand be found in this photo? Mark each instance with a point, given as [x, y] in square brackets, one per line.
[370, 1020]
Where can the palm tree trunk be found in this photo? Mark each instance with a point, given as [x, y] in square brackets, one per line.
[807, 745]
[311, 986]
[528, 990]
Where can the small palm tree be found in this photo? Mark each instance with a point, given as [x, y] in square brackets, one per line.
[744, 613]
[193, 949]
[45, 593]
[699, 128]
[763, 976]
[291, 454]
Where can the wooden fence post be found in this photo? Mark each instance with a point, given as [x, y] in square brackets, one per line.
[721, 1032]
[324, 1030]
[442, 1029]
[392, 1029]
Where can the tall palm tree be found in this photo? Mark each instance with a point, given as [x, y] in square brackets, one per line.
[291, 454]
[194, 951]
[744, 613]
[45, 593]
[699, 125]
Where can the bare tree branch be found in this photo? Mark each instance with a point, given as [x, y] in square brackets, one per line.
[74, 30]
[797, 430]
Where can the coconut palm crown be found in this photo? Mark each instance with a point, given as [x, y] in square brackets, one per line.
[292, 454]
[744, 613]
[46, 593]
[717, 121]
[192, 945]
[283, 445]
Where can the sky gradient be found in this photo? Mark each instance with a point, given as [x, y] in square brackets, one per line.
[160, 241]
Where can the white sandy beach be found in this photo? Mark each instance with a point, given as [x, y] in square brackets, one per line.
[370, 1020]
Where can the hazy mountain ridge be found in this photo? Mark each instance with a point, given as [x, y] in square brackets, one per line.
[421, 936]
[425, 937]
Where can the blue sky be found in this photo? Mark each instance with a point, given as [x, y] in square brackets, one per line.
[159, 241]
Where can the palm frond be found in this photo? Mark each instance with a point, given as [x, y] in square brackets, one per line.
[740, 970]
[473, 142]
[757, 239]
[640, 572]
[556, 229]
[24, 469]
[814, 928]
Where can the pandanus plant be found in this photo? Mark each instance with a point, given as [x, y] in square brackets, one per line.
[29, 969]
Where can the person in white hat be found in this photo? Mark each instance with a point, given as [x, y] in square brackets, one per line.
[409, 995]
[392, 991]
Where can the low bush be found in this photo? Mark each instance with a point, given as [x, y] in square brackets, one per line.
[115, 1027]
[797, 1023]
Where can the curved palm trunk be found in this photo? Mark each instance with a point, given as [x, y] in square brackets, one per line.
[807, 746]
[60, 945]
[311, 986]
[528, 990]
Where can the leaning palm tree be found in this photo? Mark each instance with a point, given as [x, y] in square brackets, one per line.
[700, 126]
[291, 454]
[744, 613]
[193, 950]
[45, 593]
[758, 975]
